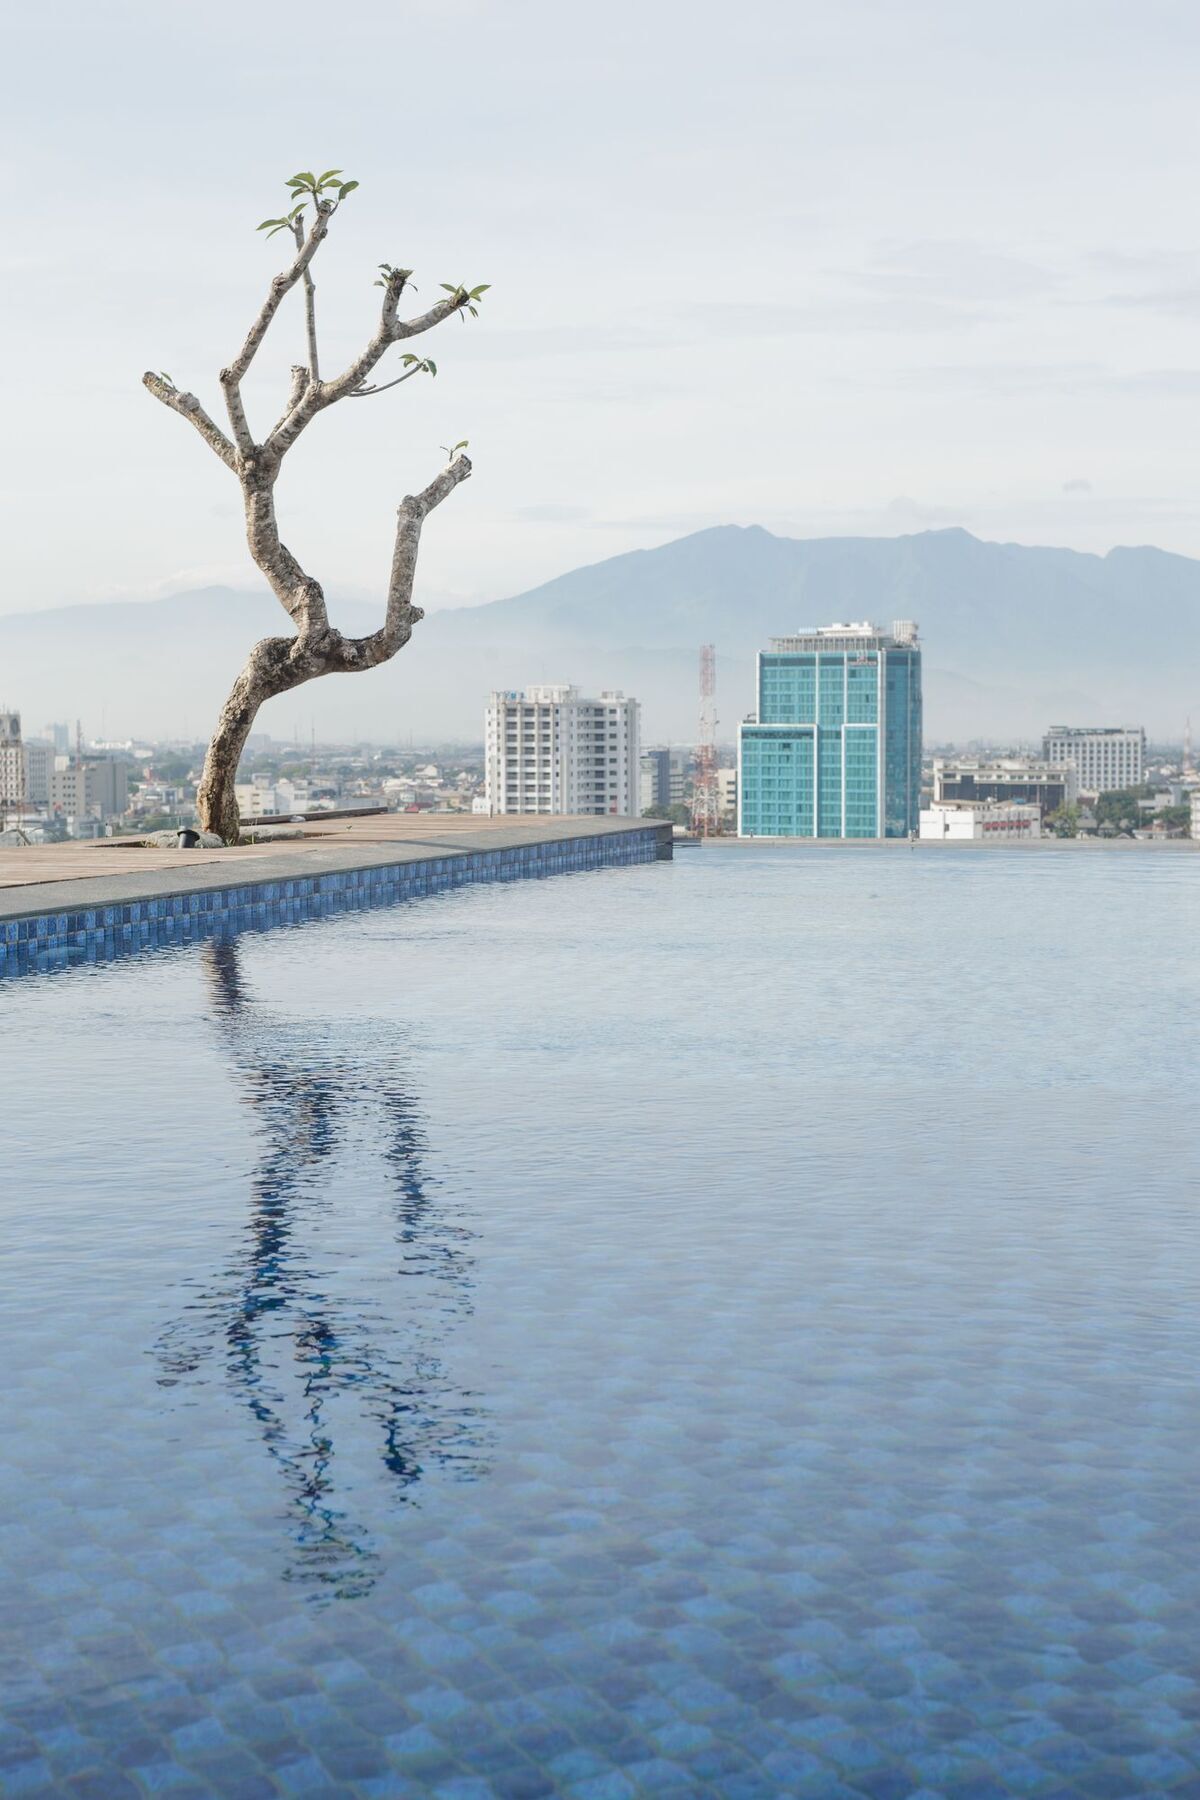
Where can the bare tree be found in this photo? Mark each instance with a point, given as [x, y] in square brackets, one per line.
[278, 664]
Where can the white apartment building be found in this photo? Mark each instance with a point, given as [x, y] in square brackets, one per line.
[552, 750]
[980, 821]
[1105, 757]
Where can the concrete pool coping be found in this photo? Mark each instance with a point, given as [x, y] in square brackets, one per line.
[40, 881]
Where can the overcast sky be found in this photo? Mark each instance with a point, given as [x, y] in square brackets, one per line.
[838, 268]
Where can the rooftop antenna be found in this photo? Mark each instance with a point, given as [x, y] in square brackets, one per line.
[1187, 747]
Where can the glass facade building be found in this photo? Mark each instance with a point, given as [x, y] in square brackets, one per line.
[834, 750]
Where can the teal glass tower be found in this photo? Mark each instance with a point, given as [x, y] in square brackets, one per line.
[834, 750]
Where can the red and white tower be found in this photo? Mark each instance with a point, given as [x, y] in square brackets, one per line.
[706, 798]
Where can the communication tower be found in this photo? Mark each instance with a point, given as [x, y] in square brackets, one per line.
[706, 798]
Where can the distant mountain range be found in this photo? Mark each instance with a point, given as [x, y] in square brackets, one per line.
[1015, 639]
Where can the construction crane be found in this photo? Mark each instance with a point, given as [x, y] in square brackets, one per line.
[706, 795]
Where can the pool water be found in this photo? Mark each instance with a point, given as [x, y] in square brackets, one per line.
[719, 1328]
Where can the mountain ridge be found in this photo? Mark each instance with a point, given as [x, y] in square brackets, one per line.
[1016, 637]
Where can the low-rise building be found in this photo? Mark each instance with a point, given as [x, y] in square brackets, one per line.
[980, 821]
[1022, 780]
[272, 799]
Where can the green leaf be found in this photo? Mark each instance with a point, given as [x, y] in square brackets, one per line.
[347, 187]
[306, 176]
[328, 173]
[431, 366]
[267, 222]
[408, 357]
[481, 289]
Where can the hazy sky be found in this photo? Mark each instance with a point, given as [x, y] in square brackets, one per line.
[849, 267]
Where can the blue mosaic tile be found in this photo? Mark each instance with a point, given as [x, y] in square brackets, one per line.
[566, 1342]
[57, 941]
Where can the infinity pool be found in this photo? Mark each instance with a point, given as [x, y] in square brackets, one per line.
[718, 1328]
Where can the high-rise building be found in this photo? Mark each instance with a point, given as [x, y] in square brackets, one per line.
[834, 750]
[98, 788]
[1105, 757]
[552, 750]
[654, 779]
[39, 766]
[12, 760]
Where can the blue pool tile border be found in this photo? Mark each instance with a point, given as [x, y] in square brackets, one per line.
[95, 934]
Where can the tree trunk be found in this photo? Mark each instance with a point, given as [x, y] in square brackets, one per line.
[267, 673]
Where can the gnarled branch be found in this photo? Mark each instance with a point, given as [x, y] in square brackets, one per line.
[295, 394]
[189, 408]
[402, 615]
[391, 330]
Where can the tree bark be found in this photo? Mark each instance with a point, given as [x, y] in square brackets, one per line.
[261, 679]
[276, 665]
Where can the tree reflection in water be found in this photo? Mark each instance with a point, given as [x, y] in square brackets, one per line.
[305, 1332]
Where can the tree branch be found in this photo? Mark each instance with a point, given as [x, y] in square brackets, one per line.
[362, 392]
[189, 408]
[310, 306]
[281, 285]
[231, 378]
[295, 394]
[402, 615]
[301, 597]
[391, 330]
